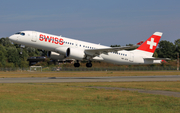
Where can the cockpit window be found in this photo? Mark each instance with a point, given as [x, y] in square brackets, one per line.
[20, 33]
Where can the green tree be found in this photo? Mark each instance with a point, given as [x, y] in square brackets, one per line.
[177, 44]
[32, 51]
[12, 55]
[129, 44]
[2, 59]
[155, 54]
[6, 42]
[166, 49]
[2, 56]
[22, 58]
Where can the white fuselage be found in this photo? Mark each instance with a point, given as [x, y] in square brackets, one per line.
[51, 43]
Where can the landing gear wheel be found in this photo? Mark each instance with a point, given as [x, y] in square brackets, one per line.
[76, 64]
[89, 65]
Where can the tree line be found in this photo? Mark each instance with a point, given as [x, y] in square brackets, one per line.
[10, 53]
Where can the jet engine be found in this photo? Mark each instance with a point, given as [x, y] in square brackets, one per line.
[75, 53]
[61, 50]
[55, 56]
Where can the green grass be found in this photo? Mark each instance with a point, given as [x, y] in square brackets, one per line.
[65, 98]
[164, 86]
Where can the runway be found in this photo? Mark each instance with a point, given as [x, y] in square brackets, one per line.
[91, 79]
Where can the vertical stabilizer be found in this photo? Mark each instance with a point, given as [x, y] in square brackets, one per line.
[149, 46]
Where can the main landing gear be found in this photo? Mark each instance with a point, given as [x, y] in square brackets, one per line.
[89, 64]
[77, 64]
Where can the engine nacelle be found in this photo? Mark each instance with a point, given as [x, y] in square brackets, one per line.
[61, 50]
[75, 53]
[55, 56]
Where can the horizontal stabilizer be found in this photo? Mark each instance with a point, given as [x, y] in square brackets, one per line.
[156, 58]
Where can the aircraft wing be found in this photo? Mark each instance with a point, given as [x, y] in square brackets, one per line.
[96, 52]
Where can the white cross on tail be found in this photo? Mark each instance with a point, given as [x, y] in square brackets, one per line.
[151, 43]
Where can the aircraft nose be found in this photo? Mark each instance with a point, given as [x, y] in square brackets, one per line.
[12, 37]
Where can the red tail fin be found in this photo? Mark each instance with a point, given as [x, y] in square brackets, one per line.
[151, 43]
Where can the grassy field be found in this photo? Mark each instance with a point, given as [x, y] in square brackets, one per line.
[87, 74]
[78, 98]
[164, 86]
[68, 98]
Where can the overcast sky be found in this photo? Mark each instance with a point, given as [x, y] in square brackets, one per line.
[108, 22]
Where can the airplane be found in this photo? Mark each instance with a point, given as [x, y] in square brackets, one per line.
[63, 47]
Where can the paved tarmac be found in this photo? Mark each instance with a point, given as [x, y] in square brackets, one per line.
[91, 79]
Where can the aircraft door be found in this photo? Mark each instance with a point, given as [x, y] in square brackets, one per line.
[34, 37]
[131, 57]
